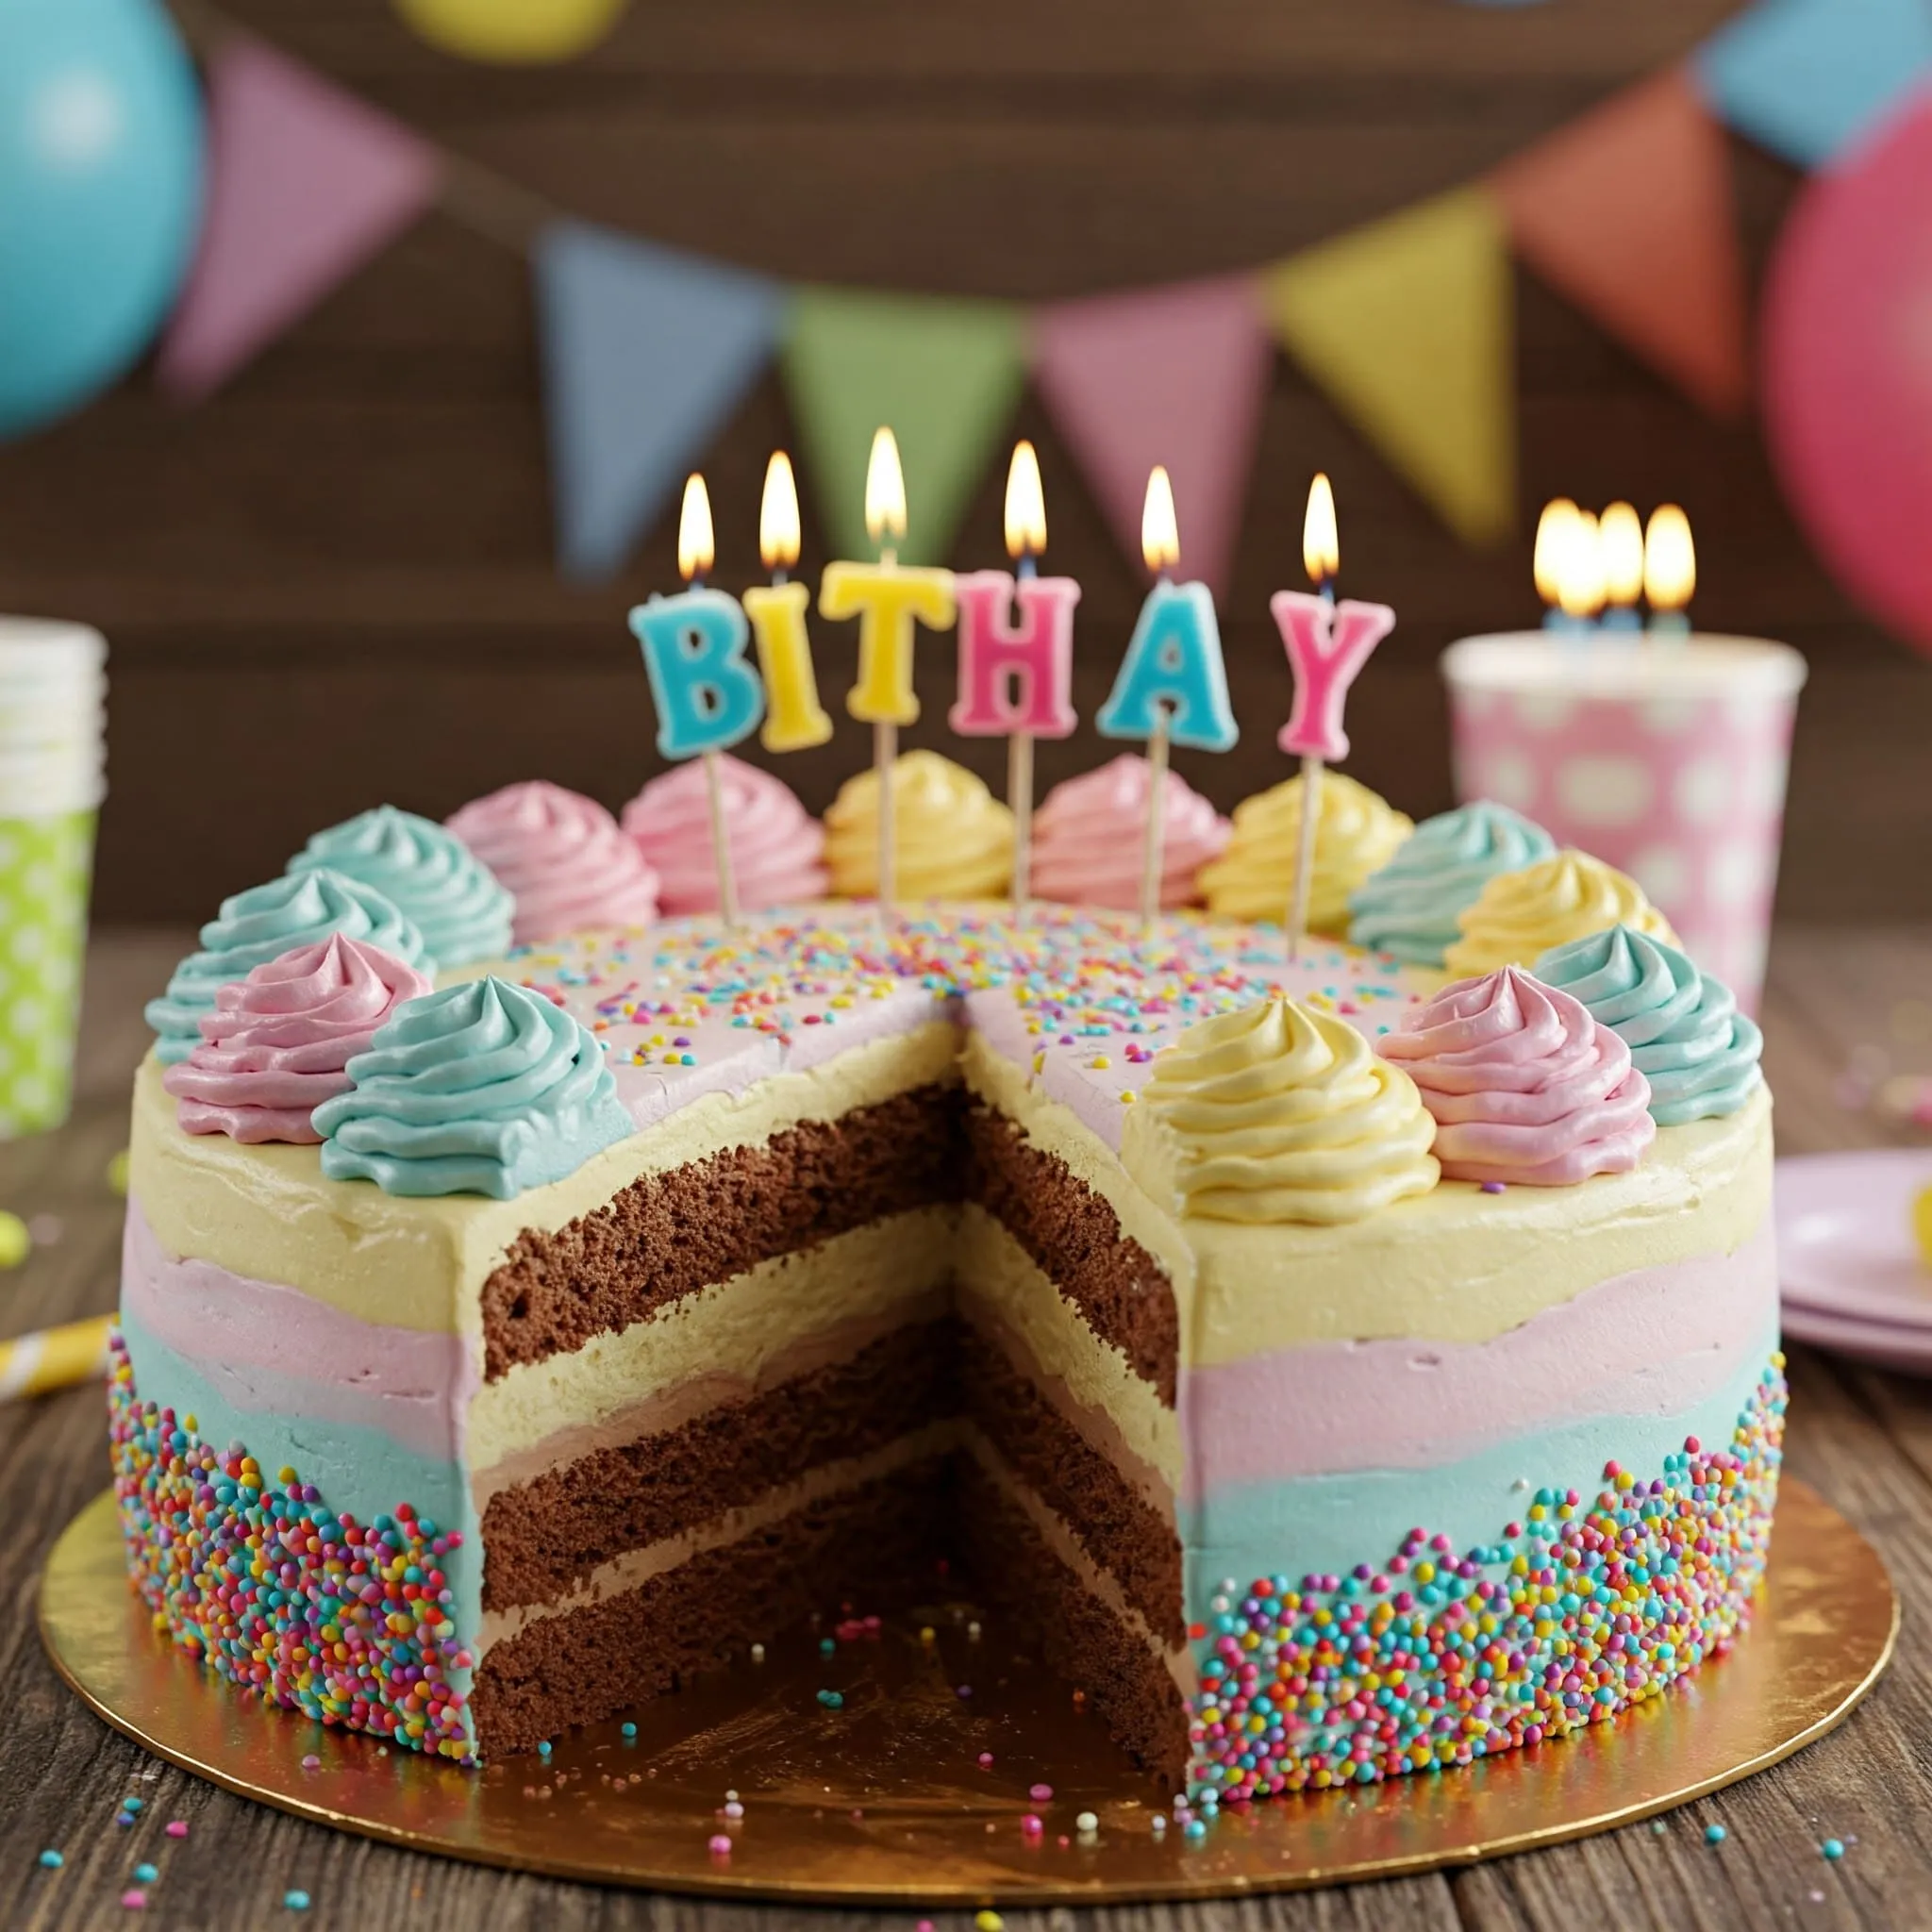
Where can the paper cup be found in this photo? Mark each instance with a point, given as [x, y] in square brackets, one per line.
[45, 865]
[1666, 757]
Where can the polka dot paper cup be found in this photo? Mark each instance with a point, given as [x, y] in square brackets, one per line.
[53, 687]
[1666, 757]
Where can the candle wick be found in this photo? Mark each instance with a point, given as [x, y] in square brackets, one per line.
[780, 576]
[1028, 567]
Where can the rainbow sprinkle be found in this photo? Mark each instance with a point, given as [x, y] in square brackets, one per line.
[1583, 1609]
[345, 1621]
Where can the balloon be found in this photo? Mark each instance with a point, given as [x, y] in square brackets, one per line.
[1848, 360]
[510, 32]
[100, 190]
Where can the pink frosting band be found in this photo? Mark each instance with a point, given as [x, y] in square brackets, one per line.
[1090, 835]
[1524, 1085]
[562, 856]
[279, 1042]
[777, 846]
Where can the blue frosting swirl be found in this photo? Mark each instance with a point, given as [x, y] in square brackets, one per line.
[1682, 1026]
[482, 1089]
[264, 922]
[1409, 908]
[462, 909]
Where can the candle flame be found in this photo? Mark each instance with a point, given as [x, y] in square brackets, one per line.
[1619, 538]
[1553, 534]
[778, 514]
[1026, 503]
[1580, 569]
[1669, 559]
[1160, 535]
[1321, 545]
[885, 489]
[697, 547]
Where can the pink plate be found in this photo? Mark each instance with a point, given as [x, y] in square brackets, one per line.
[1844, 1240]
[1883, 1344]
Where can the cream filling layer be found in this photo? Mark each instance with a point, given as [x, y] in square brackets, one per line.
[268, 1212]
[1096, 1582]
[783, 1318]
[636, 1568]
[1087, 1379]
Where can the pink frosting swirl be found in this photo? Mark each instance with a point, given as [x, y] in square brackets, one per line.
[1089, 837]
[564, 857]
[1524, 1085]
[277, 1042]
[777, 847]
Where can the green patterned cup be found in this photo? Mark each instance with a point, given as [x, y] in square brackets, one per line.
[45, 865]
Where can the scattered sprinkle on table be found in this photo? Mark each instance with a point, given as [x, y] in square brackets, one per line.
[1832, 1848]
[16, 1243]
[630, 1730]
[1715, 1834]
[117, 1173]
[295, 1901]
[989, 1921]
[52, 1860]
[720, 1846]
[134, 1901]
[1040, 1794]
[832, 1700]
[131, 1804]
[146, 1874]
[1086, 1823]
[178, 1827]
[311, 1762]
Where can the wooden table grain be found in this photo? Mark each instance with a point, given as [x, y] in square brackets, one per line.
[1862, 1437]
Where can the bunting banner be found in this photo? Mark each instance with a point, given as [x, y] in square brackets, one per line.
[1629, 213]
[945, 375]
[305, 185]
[1175, 376]
[1409, 326]
[1847, 398]
[647, 352]
[1805, 78]
[1405, 323]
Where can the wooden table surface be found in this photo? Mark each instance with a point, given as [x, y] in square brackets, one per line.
[1864, 1438]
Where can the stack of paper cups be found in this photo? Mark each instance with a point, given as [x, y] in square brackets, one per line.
[1665, 757]
[53, 710]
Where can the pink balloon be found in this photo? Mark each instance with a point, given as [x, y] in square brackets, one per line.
[1847, 361]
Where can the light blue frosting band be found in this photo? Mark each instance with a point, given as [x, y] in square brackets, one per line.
[463, 910]
[1409, 908]
[1683, 1027]
[262, 924]
[482, 1089]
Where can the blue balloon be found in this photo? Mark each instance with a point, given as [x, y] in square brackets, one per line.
[100, 194]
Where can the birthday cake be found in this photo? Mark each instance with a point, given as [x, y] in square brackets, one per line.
[1334, 1367]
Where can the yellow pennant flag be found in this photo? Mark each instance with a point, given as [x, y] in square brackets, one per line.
[1408, 326]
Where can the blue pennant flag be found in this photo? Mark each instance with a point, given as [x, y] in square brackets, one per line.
[647, 352]
[1807, 78]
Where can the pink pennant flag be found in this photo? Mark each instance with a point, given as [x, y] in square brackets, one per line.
[306, 185]
[1172, 376]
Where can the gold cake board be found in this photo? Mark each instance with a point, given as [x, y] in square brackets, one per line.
[883, 1800]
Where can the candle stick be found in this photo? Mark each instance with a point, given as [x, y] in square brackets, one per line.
[708, 697]
[1016, 678]
[1172, 687]
[888, 601]
[1580, 576]
[1620, 543]
[1327, 645]
[795, 719]
[1669, 570]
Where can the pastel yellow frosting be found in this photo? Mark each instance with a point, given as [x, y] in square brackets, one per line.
[1277, 1113]
[1521, 915]
[1356, 834]
[951, 838]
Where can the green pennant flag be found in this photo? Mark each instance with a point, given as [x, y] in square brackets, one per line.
[943, 376]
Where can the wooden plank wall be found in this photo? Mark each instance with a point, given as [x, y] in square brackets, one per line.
[333, 583]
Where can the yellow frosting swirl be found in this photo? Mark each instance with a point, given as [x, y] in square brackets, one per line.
[951, 838]
[1279, 1113]
[1355, 835]
[1521, 915]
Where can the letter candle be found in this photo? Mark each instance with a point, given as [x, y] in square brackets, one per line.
[795, 719]
[888, 601]
[1669, 570]
[1327, 643]
[708, 697]
[1171, 686]
[1016, 678]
